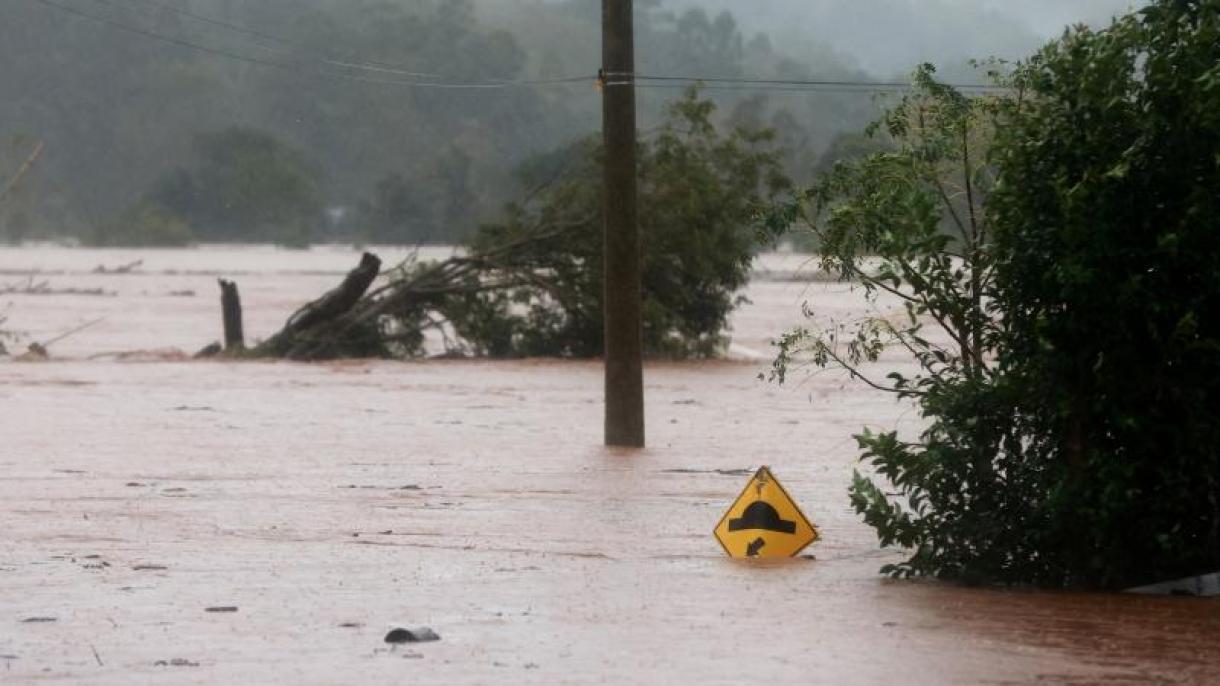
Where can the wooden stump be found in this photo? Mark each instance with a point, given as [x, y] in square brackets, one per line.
[230, 308]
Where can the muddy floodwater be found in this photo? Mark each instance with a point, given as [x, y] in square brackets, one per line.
[199, 522]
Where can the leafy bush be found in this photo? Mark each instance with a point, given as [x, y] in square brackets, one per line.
[243, 185]
[698, 190]
[1108, 276]
[906, 222]
[146, 224]
[1070, 381]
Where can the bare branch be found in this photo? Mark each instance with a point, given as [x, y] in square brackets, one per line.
[22, 170]
[857, 374]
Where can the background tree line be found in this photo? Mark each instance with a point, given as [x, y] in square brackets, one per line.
[149, 141]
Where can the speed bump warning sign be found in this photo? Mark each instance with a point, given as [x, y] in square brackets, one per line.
[764, 521]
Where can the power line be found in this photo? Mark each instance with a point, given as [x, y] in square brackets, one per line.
[158, 37]
[288, 45]
[649, 81]
[216, 52]
[845, 88]
[331, 60]
[784, 84]
[765, 89]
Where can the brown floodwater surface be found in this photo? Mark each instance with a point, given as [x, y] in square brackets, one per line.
[328, 501]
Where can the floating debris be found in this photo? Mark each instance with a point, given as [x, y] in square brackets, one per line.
[121, 269]
[721, 472]
[176, 662]
[417, 635]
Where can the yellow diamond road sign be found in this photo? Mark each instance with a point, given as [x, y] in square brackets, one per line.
[764, 521]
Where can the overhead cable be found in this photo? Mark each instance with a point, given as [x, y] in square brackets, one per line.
[225, 54]
[438, 81]
[683, 81]
[328, 59]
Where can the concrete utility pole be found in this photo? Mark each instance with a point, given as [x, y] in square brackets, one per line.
[624, 343]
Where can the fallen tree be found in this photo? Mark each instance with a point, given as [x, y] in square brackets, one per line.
[356, 320]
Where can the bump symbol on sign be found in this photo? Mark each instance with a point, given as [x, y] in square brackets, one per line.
[760, 515]
[764, 521]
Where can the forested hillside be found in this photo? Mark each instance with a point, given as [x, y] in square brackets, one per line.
[170, 121]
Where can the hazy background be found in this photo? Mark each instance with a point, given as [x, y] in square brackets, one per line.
[885, 36]
[290, 121]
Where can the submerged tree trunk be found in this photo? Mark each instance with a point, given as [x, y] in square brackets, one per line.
[312, 331]
[230, 308]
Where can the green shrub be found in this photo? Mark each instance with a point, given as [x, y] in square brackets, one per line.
[243, 185]
[1108, 275]
[145, 224]
[907, 222]
[1071, 428]
[698, 191]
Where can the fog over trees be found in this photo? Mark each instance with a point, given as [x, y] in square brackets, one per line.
[170, 121]
[890, 36]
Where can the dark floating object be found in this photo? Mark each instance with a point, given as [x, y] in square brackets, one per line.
[222, 608]
[35, 351]
[417, 635]
[39, 620]
[176, 662]
[210, 350]
[721, 472]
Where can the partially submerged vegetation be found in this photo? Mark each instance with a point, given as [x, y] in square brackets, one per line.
[907, 222]
[1063, 240]
[1053, 249]
[531, 284]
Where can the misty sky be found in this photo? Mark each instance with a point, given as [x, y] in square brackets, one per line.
[889, 36]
